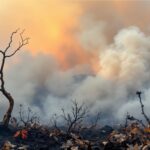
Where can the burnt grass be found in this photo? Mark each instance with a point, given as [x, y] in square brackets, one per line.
[44, 138]
[38, 137]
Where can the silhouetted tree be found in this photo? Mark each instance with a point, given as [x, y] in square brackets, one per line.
[5, 55]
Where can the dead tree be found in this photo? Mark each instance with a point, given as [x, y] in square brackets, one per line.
[75, 118]
[142, 107]
[27, 118]
[5, 55]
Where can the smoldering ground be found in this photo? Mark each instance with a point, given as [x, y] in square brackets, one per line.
[106, 60]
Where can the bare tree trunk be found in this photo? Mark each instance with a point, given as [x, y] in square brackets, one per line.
[5, 55]
[7, 115]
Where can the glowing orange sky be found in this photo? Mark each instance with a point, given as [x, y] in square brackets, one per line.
[51, 24]
[48, 23]
[45, 21]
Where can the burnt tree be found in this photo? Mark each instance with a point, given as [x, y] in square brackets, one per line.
[6, 54]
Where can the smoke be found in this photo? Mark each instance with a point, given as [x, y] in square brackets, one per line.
[124, 67]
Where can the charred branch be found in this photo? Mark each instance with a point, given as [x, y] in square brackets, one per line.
[132, 118]
[142, 107]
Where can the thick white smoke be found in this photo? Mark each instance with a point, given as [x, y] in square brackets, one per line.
[124, 68]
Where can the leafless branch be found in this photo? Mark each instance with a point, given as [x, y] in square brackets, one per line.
[11, 40]
[22, 42]
[1, 52]
[142, 107]
[131, 118]
[27, 118]
[75, 118]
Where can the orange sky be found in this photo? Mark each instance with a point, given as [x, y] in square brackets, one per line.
[52, 24]
[47, 22]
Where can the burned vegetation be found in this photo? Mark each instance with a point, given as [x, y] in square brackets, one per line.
[27, 132]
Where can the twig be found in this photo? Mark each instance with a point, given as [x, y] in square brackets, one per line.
[142, 107]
